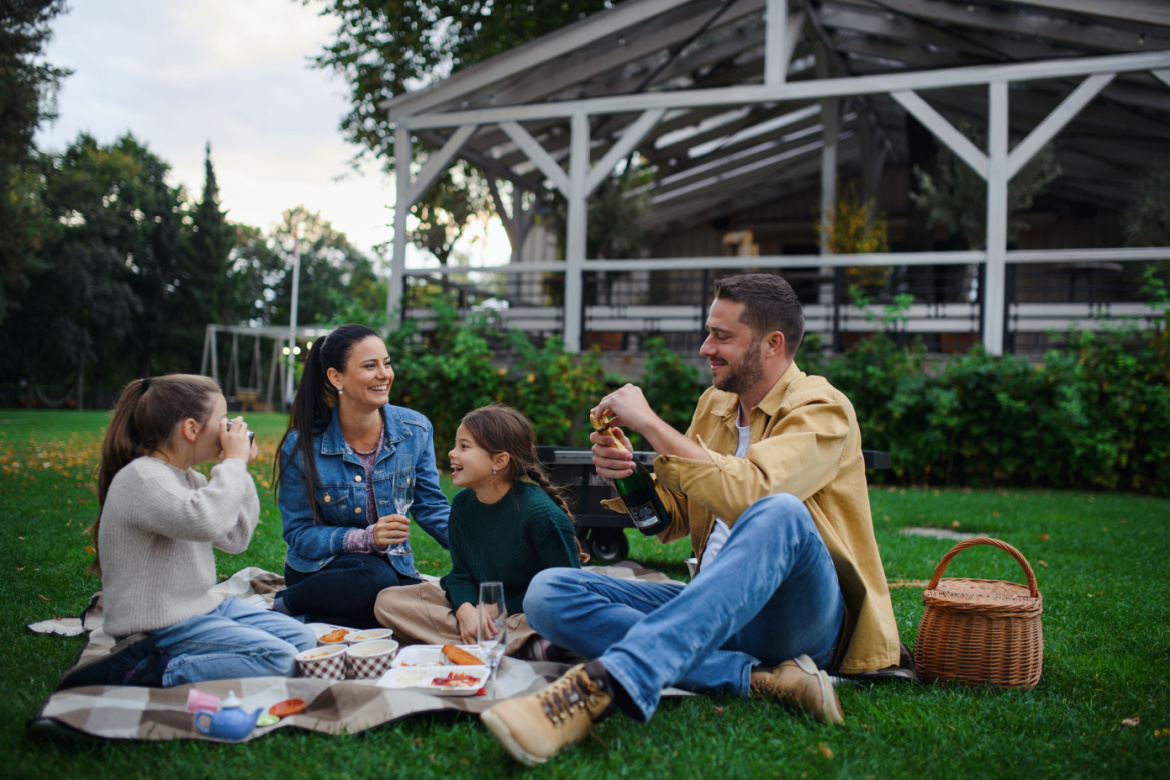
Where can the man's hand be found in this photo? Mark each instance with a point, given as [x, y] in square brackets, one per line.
[391, 529]
[610, 461]
[629, 408]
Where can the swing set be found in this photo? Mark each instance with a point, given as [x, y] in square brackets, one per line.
[245, 387]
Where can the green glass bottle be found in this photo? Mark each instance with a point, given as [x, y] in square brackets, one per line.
[637, 491]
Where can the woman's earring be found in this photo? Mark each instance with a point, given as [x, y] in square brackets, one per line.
[493, 472]
[340, 391]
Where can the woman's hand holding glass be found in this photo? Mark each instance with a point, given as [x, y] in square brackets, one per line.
[392, 531]
[467, 616]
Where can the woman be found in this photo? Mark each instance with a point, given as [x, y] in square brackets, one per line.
[338, 462]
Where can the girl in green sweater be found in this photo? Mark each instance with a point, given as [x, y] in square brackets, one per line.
[507, 524]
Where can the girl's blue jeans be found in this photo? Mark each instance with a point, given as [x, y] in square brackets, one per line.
[236, 639]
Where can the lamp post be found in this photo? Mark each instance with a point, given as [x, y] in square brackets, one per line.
[291, 350]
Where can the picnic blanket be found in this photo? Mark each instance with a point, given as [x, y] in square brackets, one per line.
[332, 707]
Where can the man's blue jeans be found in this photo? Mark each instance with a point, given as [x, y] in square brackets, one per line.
[236, 639]
[770, 595]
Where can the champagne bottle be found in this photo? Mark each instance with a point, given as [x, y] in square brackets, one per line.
[637, 491]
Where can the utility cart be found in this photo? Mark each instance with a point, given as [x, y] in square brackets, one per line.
[600, 531]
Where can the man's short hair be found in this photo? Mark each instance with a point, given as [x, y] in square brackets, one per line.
[770, 304]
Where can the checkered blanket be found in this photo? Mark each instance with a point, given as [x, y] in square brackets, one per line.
[331, 707]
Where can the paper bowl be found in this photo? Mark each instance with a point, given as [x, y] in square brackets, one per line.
[366, 635]
[369, 660]
[325, 629]
[327, 663]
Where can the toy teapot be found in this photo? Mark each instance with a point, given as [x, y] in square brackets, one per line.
[230, 723]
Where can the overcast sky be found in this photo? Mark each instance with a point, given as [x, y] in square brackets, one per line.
[232, 72]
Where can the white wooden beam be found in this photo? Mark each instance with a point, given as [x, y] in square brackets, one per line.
[438, 163]
[529, 56]
[577, 231]
[943, 131]
[1162, 75]
[631, 137]
[776, 45]
[539, 156]
[1056, 121]
[964, 257]
[803, 90]
[995, 275]
[830, 130]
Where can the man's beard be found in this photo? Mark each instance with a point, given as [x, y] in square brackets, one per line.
[739, 377]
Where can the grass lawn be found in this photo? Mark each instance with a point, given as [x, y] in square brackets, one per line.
[1100, 559]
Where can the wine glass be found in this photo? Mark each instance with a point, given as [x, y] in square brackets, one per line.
[492, 634]
[403, 499]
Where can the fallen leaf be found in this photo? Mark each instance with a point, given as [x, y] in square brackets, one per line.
[995, 514]
[1042, 563]
[825, 751]
[956, 524]
[866, 725]
[21, 538]
[1044, 537]
[1094, 595]
[1136, 719]
[718, 710]
[89, 549]
[42, 598]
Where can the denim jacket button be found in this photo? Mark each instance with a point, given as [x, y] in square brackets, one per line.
[357, 510]
[327, 498]
[357, 479]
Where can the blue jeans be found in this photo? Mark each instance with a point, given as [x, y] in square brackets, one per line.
[770, 595]
[236, 639]
[343, 591]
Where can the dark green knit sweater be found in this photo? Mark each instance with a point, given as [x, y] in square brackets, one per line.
[508, 541]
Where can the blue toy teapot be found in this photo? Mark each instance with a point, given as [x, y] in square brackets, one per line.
[230, 723]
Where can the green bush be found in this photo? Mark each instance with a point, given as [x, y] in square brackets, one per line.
[1096, 414]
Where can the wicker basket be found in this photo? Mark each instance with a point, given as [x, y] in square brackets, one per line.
[981, 632]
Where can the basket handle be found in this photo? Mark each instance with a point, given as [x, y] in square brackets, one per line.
[963, 545]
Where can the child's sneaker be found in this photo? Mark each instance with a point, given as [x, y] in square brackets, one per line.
[135, 660]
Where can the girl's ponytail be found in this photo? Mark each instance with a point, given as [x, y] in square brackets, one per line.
[144, 419]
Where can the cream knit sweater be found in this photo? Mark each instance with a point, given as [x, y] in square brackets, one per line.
[159, 525]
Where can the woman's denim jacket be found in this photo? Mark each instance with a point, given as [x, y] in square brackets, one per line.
[408, 446]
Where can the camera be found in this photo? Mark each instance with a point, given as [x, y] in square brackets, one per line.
[251, 434]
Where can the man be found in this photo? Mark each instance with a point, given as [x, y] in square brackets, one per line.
[769, 483]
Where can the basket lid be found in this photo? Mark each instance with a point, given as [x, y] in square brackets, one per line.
[984, 595]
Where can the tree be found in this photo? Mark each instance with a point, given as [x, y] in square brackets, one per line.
[111, 271]
[956, 198]
[213, 287]
[27, 92]
[329, 265]
[384, 48]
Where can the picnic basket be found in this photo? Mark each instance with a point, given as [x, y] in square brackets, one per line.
[981, 632]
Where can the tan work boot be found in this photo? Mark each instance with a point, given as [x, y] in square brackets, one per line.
[535, 728]
[798, 684]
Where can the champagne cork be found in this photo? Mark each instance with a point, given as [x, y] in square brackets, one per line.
[602, 426]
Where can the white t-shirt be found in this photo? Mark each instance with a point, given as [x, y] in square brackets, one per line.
[720, 532]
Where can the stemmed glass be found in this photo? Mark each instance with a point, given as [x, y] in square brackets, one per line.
[403, 499]
[492, 634]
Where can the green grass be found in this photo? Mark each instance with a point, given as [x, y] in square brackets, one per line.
[1100, 559]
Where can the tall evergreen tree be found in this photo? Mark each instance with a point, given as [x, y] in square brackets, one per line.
[212, 288]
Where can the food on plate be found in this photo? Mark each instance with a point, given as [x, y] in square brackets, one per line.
[455, 680]
[321, 654]
[282, 709]
[458, 655]
[336, 635]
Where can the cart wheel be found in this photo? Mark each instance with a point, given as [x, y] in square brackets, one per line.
[607, 545]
